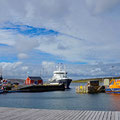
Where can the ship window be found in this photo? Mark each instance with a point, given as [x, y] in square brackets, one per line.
[59, 73]
[112, 82]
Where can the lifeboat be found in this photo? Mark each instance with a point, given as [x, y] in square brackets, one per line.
[114, 86]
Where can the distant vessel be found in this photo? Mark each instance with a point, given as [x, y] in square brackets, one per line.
[114, 86]
[60, 76]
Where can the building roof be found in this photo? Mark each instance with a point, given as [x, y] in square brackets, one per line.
[35, 78]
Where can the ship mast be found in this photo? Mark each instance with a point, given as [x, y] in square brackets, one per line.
[1, 74]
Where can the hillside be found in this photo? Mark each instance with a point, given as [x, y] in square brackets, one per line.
[100, 79]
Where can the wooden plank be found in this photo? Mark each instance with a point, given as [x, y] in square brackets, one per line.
[102, 115]
[67, 115]
[26, 115]
[63, 115]
[112, 115]
[72, 115]
[116, 115]
[48, 115]
[88, 115]
[7, 114]
[93, 115]
[105, 115]
[119, 115]
[78, 113]
[52, 115]
[39, 114]
[18, 114]
[81, 115]
[84, 115]
[59, 114]
[98, 115]
[109, 115]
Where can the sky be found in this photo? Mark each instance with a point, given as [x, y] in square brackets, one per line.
[36, 35]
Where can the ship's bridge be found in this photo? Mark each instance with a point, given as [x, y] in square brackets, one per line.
[59, 72]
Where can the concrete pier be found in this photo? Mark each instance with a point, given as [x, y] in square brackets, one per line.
[45, 114]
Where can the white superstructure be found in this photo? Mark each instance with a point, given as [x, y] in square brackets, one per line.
[60, 76]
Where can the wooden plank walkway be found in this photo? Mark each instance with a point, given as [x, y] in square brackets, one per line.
[45, 114]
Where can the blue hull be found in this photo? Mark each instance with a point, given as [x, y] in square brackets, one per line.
[114, 90]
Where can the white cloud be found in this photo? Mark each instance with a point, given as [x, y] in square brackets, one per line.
[47, 64]
[101, 6]
[11, 69]
[22, 56]
[10, 65]
[25, 68]
[6, 37]
[24, 43]
[100, 34]
[45, 70]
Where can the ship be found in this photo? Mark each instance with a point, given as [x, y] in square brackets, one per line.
[114, 86]
[60, 77]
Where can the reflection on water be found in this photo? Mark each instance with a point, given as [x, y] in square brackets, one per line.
[115, 100]
[62, 100]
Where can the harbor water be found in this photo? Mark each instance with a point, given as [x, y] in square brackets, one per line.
[62, 100]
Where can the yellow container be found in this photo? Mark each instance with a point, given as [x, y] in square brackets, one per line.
[81, 87]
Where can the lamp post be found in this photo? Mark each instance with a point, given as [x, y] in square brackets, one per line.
[112, 71]
[27, 73]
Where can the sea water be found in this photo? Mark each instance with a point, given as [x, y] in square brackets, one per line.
[62, 100]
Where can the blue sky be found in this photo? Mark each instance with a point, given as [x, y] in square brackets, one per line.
[29, 30]
[83, 33]
[33, 32]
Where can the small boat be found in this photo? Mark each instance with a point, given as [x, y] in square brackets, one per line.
[60, 77]
[114, 86]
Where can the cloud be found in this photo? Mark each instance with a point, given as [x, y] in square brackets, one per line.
[53, 43]
[24, 44]
[81, 37]
[17, 43]
[97, 7]
[46, 68]
[11, 69]
[75, 50]
[27, 38]
[22, 56]
[6, 37]
[27, 11]
[47, 64]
